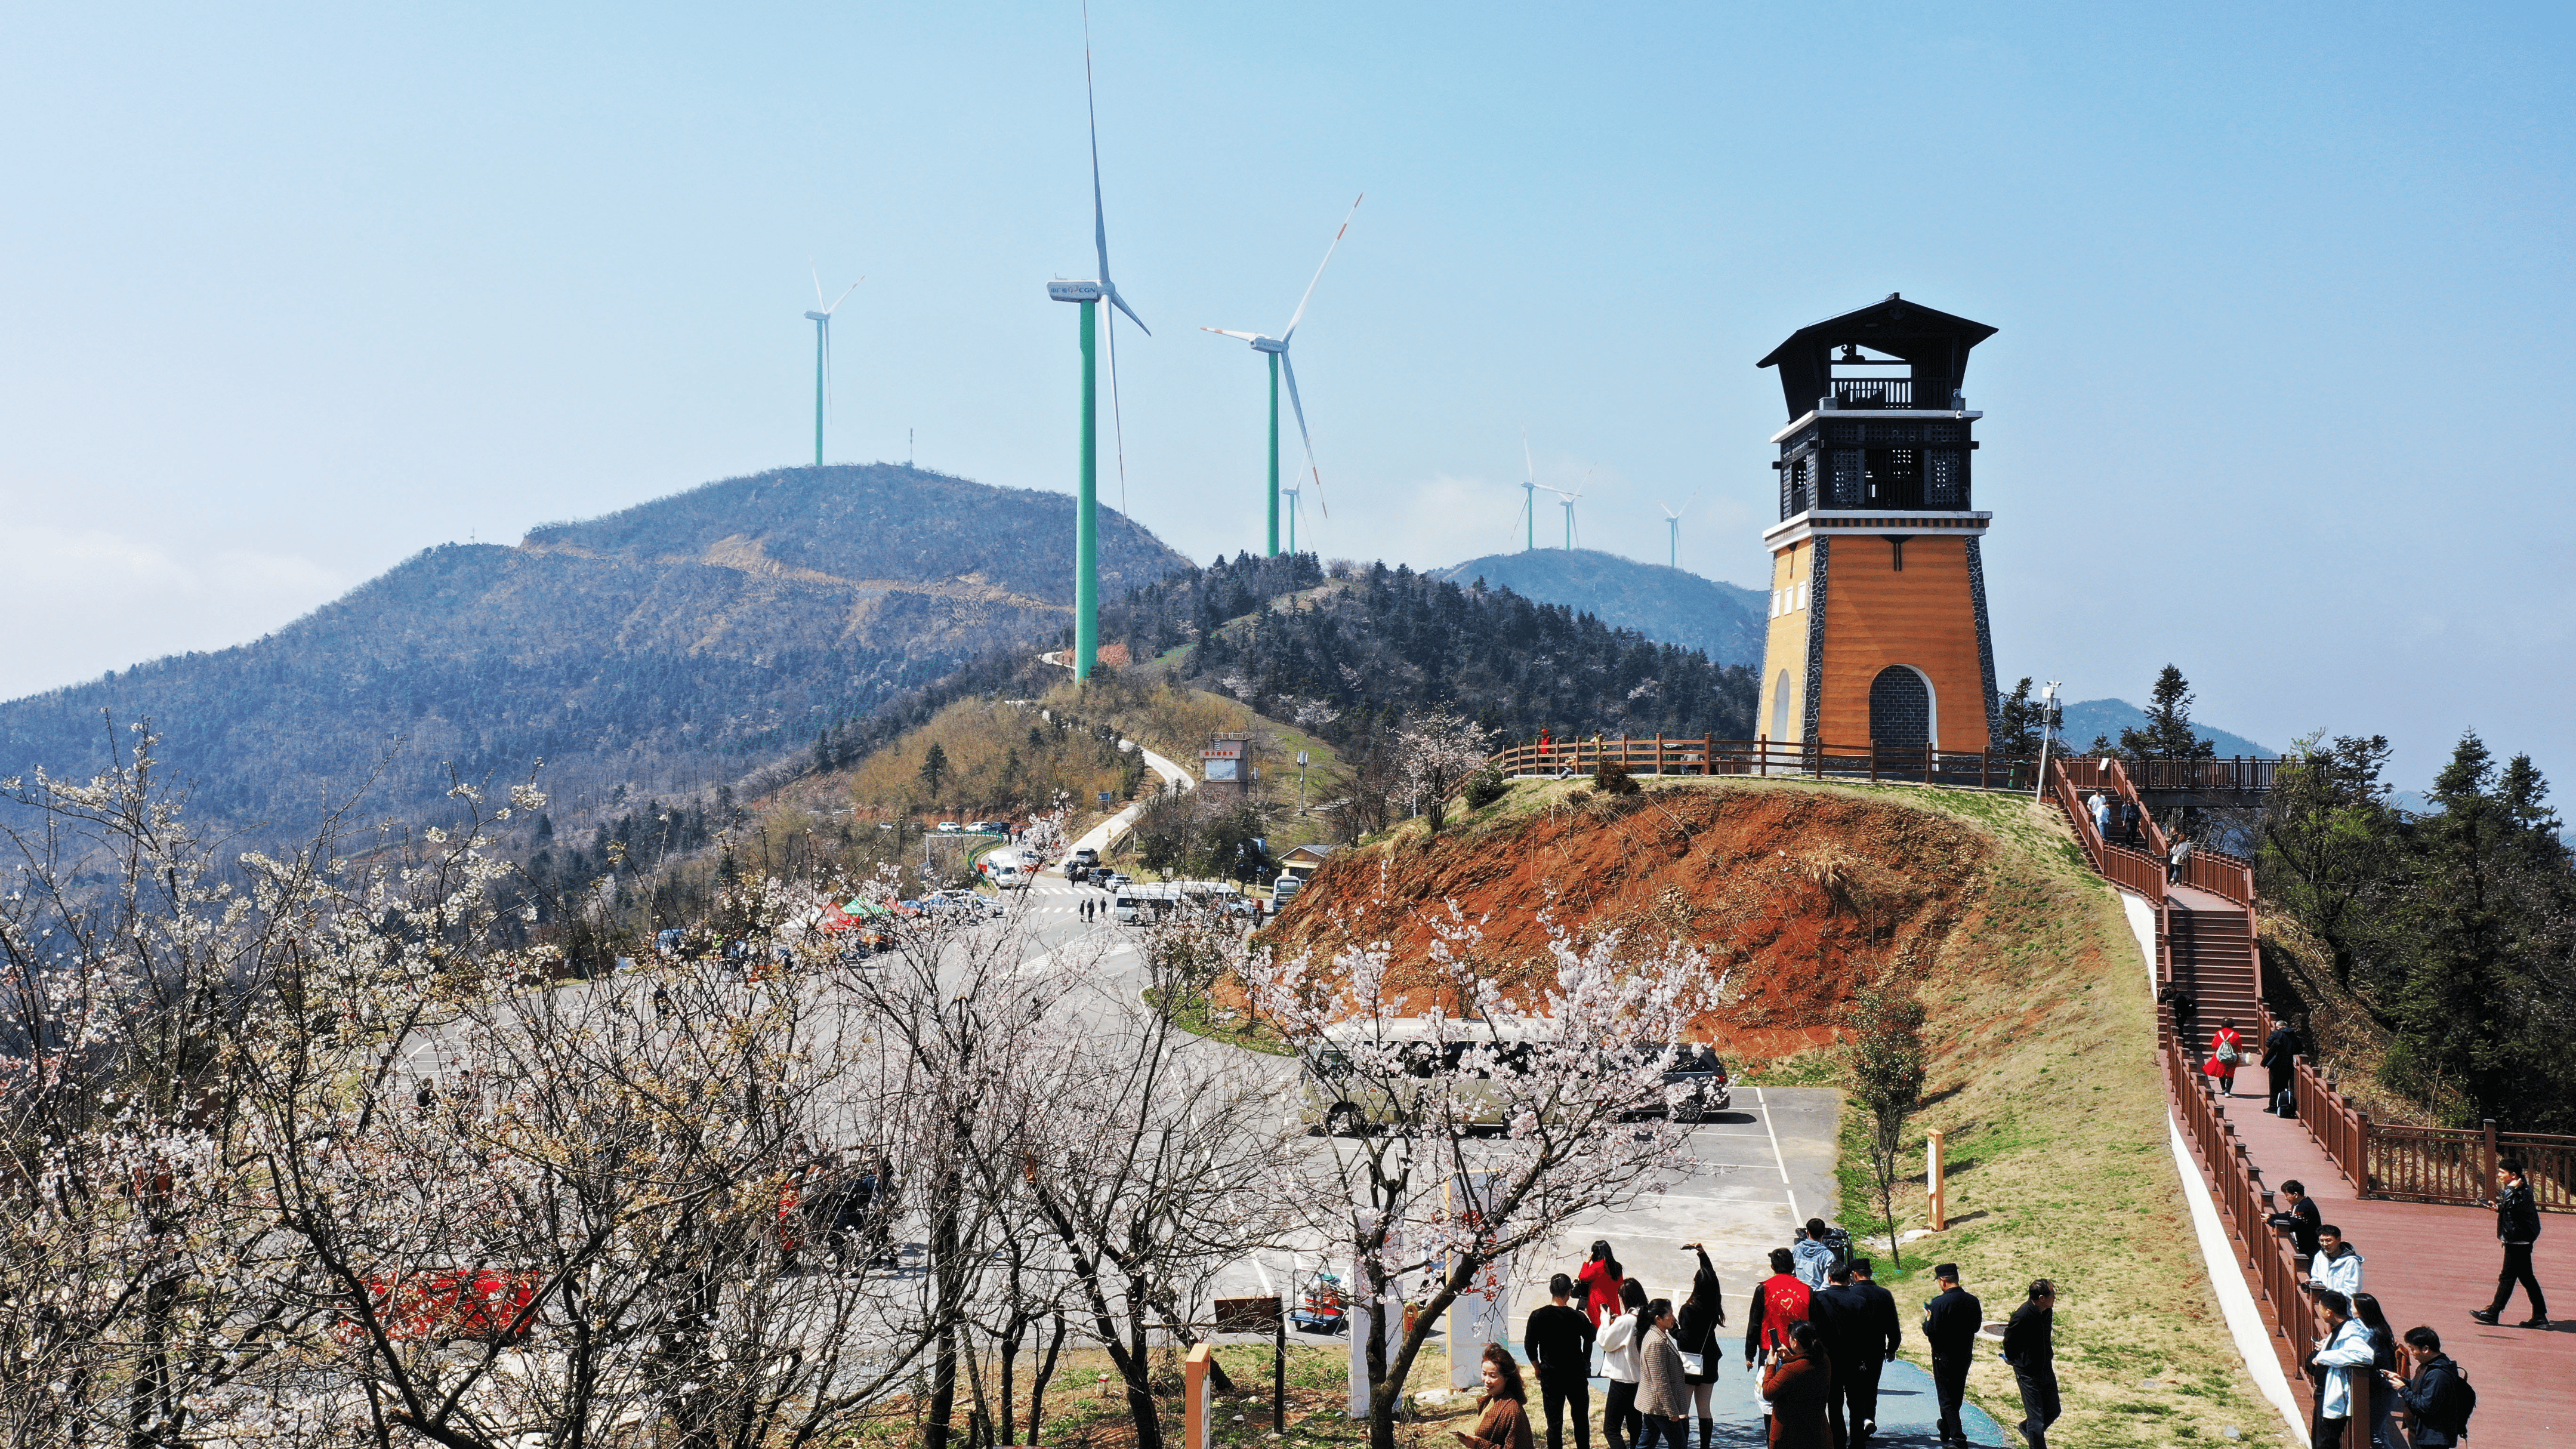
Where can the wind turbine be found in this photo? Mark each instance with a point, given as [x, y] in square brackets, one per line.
[1529, 494]
[1277, 348]
[822, 321]
[1673, 522]
[1566, 501]
[1088, 295]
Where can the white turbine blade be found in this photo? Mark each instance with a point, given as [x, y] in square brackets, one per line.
[1693, 498]
[1221, 332]
[1289, 370]
[818, 282]
[1120, 303]
[1300, 315]
[837, 301]
[1118, 418]
[1529, 468]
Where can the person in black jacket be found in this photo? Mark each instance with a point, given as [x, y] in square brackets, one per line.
[2434, 1395]
[2030, 1347]
[1558, 1340]
[1695, 1333]
[1883, 1335]
[1841, 1316]
[2301, 1218]
[2280, 1061]
[1951, 1322]
[2518, 1228]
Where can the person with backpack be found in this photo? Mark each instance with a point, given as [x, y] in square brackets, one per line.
[2226, 1050]
[2518, 1228]
[2280, 1063]
[2437, 1398]
[1819, 1250]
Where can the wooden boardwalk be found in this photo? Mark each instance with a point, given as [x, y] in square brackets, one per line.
[2431, 1265]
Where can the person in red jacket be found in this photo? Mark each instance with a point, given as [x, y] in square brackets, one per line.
[2226, 1049]
[1600, 1280]
[1780, 1304]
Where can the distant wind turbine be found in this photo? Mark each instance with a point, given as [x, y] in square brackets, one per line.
[1088, 295]
[1566, 501]
[1277, 347]
[822, 321]
[1529, 495]
[1673, 522]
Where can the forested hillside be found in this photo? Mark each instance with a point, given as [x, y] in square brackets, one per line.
[672, 645]
[1668, 605]
[1340, 655]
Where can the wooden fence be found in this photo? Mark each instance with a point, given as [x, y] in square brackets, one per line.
[2454, 1165]
[2244, 1203]
[1709, 755]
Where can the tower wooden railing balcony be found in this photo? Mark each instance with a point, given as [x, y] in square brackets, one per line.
[1873, 392]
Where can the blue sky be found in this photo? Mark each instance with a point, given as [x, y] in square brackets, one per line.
[289, 293]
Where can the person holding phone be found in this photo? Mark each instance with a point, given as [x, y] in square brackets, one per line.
[1701, 1316]
[1503, 1420]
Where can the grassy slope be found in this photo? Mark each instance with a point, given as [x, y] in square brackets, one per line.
[2044, 1080]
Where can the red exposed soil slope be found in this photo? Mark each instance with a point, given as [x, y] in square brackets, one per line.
[1796, 895]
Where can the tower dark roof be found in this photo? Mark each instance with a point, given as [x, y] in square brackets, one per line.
[1936, 343]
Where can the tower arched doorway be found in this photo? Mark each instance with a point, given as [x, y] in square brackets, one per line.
[1902, 710]
[1780, 707]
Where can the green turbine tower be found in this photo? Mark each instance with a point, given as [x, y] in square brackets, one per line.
[822, 321]
[1673, 527]
[1088, 295]
[1277, 347]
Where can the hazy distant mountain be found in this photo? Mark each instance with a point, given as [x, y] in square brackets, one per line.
[1668, 605]
[2107, 717]
[675, 643]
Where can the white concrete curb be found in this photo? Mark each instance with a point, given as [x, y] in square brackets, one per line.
[2226, 1278]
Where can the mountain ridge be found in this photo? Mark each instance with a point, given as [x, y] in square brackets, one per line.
[1663, 603]
[666, 645]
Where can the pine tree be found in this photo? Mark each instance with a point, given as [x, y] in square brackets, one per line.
[934, 770]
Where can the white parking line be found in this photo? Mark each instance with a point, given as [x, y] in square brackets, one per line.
[1777, 1159]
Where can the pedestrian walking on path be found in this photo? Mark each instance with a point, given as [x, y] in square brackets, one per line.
[2342, 1354]
[2226, 1053]
[2030, 1347]
[2434, 1394]
[2177, 861]
[1779, 1306]
[1695, 1334]
[1621, 1427]
[1841, 1316]
[1951, 1322]
[2280, 1062]
[1798, 1385]
[1881, 1334]
[2518, 1228]
[1818, 1251]
[2101, 808]
[1504, 1422]
[1663, 1399]
[1558, 1340]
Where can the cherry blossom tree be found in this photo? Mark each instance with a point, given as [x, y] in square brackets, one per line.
[1480, 1120]
[1437, 751]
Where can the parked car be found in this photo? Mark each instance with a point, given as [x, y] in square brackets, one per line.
[948, 827]
[1117, 881]
[1695, 1083]
[1341, 1102]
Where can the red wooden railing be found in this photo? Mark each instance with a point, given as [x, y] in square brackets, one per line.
[1709, 755]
